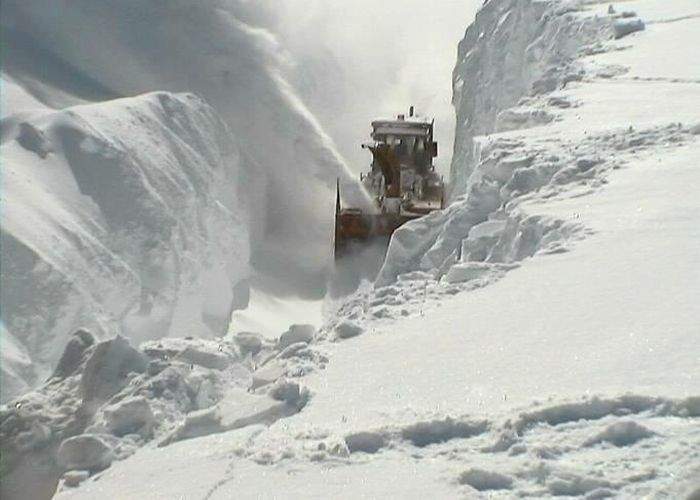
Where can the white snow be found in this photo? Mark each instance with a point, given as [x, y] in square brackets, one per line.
[14, 99]
[569, 373]
[273, 199]
[119, 217]
[270, 314]
[85, 452]
[538, 338]
[500, 346]
[16, 364]
[216, 50]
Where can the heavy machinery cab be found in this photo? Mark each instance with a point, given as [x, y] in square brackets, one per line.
[402, 181]
[402, 178]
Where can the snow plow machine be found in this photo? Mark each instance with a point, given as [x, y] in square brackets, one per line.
[402, 183]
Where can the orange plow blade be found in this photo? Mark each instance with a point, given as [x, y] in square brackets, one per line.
[354, 227]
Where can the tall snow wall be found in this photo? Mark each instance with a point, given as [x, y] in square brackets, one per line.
[68, 50]
[144, 216]
[121, 217]
[515, 50]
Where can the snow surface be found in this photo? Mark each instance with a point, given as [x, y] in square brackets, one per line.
[270, 315]
[209, 48]
[119, 217]
[240, 186]
[561, 357]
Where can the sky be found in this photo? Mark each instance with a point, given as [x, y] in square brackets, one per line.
[354, 62]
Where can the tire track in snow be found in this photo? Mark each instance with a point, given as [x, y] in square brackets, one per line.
[228, 477]
[647, 79]
[675, 19]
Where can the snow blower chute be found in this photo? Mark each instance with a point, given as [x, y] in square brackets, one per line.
[402, 182]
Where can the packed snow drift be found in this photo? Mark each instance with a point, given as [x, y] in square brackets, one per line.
[146, 216]
[118, 217]
[210, 49]
[107, 399]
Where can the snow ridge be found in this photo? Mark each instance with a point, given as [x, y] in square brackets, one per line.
[512, 50]
[127, 214]
[193, 189]
[105, 400]
[492, 177]
[209, 48]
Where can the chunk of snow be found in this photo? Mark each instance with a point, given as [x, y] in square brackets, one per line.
[588, 409]
[37, 436]
[571, 484]
[107, 368]
[86, 451]
[285, 390]
[73, 478]
[461, 273]
[207, 395]
[212, 354]
[268, 374]
[585, 164]
[196, 424]
[131, 415]
[292, 350]
[297, 333]
[348, 329]
[484, 480]
[365, 442]
[625, 433]
[438, 431]
[34, 140]
[248, 342]
[208, 358]
[73, 354]
[624, 27]
[488, 229]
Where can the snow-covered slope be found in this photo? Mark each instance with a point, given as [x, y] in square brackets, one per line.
[164, 161]
[537, 338]
[488, 79]
[208, 48]
[118, 217]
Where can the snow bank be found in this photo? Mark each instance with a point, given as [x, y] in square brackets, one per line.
[108, 399]
[545, 461]
[120, 217]
[153, 203]
[514, 64]
[513, 49]
[602, 197]
[211, 48]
